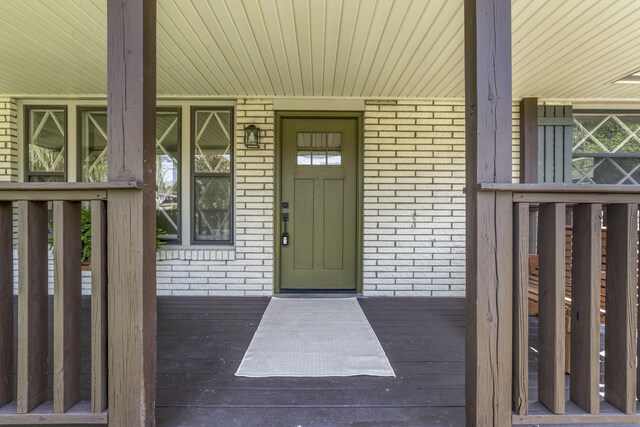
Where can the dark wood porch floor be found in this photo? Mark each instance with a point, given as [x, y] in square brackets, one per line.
[201, 342]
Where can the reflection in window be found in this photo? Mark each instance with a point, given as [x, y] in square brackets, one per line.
[94, 154]
[93, 141]
[212, 175]
[606, 148]
[46, 144]
[168, 172]
[319, 149]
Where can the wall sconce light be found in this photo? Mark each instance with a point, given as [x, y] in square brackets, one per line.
[252, 136]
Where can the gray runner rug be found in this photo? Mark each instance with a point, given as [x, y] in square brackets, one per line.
[314, 337]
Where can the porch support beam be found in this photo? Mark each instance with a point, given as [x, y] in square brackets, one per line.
[529, 140]
[489, 215]
[529, 169]
[131, 105]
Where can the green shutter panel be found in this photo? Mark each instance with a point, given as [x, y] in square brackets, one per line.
[555, 139]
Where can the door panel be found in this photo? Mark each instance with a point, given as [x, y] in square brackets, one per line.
[302, 224]
[319, 183]
[333, 219]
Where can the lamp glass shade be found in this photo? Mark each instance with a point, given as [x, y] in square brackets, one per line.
[252, 136]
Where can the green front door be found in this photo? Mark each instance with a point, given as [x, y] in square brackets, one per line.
[319, 176]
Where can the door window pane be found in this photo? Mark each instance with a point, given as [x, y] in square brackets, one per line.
[334, 158]
[319, 149]
[334, 140]
[304, 158]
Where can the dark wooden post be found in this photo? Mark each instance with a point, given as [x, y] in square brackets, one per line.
[529, 140]
[529, 160]
[131, 33]
[489, 215]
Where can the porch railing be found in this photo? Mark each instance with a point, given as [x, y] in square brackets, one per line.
[27, 401]
[583, 403]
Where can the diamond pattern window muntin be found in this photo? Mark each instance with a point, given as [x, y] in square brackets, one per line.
[212, 141]
[93, 161]
[168, 158]
[93, 145]
[212, 175]
[46, 143]
[606, 148]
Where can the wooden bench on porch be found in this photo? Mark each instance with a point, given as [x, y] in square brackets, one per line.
[534, 281]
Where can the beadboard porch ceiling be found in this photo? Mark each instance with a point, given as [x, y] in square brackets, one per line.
[344, 48]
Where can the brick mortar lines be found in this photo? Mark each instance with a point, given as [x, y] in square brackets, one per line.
[8, 140]
[414, 205]
[414, 173]
[247, 268]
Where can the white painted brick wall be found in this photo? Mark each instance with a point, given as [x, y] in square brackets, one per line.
[8, 140]
[246, 269]
[413, 200]
[414, 226]
[515, 120]
[414, 155]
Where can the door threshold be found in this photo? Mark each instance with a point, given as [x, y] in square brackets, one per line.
[316, 293]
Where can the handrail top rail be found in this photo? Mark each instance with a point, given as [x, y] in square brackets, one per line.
[70, 186]
[560, 188]
[62, 191]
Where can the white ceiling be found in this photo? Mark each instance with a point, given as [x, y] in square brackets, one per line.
[345, 48]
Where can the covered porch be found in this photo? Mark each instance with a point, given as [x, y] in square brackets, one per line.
[202, 340]
[446, 164]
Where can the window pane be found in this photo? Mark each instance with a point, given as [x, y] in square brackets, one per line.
[334, 158]
[46, 178]
[212, 208]
[212, 140]
[94, 156]
[304, 158]
[168, 172]
[46, 140]
[319, 158]
[304, 140]
[334, 140]
[319, 140]
[596, 135]
[94, 145]
[312, 149]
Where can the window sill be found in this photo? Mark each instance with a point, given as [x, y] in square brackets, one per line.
[196, 253]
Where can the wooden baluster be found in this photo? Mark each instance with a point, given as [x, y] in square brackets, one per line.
[98, 306]
[551, 247]
[520, 384]
[67, 305]
[621, 300]
[6, 303]
[585, 306]
[32, 305]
